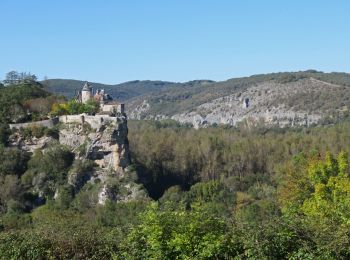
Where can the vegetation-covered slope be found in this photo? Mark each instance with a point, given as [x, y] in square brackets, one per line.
[121, 92]
[299, 98]
[22, 103]
[13, 100]
[221, 193]
[279, 98]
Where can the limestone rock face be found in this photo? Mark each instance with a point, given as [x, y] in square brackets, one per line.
[106, 145]
[121, 191]
[103, 142]
[106, 193]
[271, 102]
[30, 144]
[78, 179]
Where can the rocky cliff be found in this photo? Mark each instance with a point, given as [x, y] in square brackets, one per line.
[29, 144]
[101, 152]
[107, 144]
[299, 99]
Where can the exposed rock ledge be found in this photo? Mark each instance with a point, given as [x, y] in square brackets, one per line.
[30, 144]
[107, 145]
[101, 139]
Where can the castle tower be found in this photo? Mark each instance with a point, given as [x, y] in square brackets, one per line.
[86, 93]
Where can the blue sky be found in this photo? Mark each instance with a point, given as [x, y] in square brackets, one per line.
[113, 41]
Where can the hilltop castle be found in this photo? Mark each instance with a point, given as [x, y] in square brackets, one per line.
[104, 142]
[107, 104]
[110, 111]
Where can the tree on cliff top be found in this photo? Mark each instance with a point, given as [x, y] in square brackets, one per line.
[15, 78]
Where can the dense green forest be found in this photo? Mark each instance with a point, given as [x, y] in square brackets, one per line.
[216, 193]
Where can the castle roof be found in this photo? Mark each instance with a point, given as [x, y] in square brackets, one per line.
[86, 87]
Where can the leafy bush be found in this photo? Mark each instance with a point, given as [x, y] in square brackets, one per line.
[4, 133]
[49, 169]
[13, 161]
[74, 107]
[65, 195]
[14, 102]
[179, 234]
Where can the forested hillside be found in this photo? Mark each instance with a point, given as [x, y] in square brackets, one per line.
[285, 99]
[121, 92]
[214, 193]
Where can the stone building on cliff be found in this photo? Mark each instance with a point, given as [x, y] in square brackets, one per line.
[107, 104]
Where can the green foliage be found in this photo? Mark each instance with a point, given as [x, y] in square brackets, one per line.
[330, 198]
[4, 133]
[324, 205]
[11, 194]
[168, 123]
[15, 220]
[13, 161]
[275, 238]
[61, 235]
[49, 170]
[13, 164]
[123, 214]
[223, 193]
[180, 156]
[178, 234]
[52, 132]
[14, 77]
[257, 204]
[36, 131]
[74, 107]
[65, 195]
[328, 195]
[80, 172]
[87, 197]
[15, 102]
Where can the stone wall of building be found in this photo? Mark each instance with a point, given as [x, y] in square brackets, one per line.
[71, 119]
[118, 108]
[45, 123]
[94, 121]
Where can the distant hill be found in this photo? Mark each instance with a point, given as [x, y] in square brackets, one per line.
[122, 92]
[285, 98]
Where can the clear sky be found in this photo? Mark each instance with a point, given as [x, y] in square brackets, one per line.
[113, 41]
